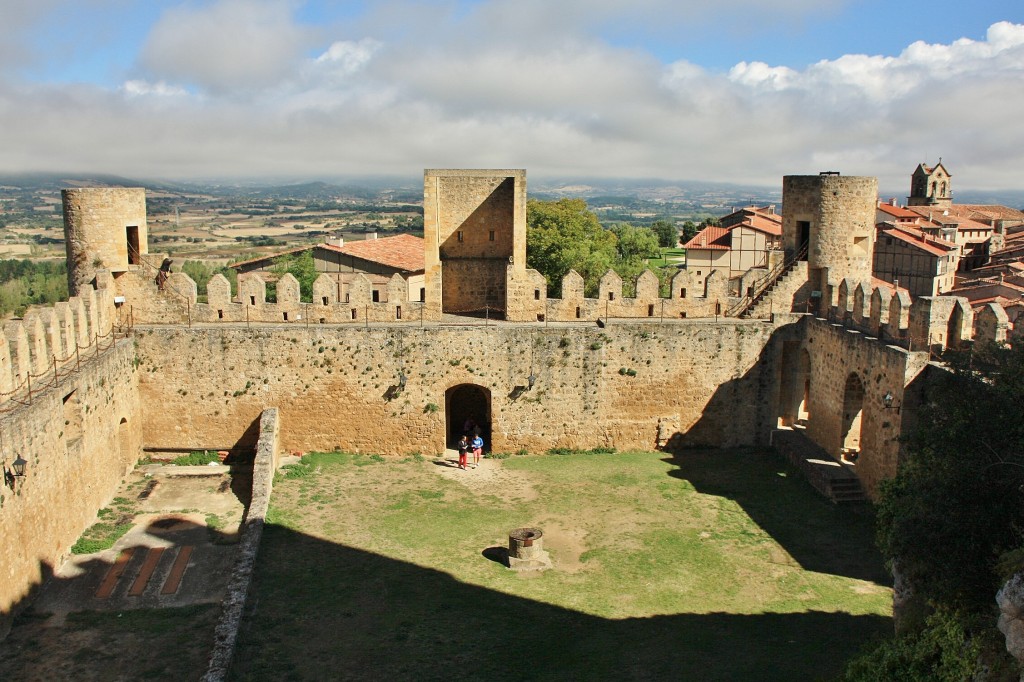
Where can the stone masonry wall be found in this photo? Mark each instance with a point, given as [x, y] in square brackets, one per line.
[335, 385]
[80, 438]
[95, 222]
[835, 353]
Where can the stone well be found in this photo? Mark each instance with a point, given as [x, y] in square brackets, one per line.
[526, 550]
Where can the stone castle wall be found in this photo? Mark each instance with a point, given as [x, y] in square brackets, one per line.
[80, 437]
[335, 385]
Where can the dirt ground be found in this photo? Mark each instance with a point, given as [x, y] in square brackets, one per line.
[147, 606]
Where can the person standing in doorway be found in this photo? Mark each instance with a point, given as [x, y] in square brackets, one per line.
[463, 447]
[478, 449]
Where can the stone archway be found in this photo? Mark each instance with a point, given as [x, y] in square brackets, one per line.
[463, 402]
[853, 408]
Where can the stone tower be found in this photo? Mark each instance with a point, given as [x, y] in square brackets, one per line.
[474, 226]
[104, 228]
[930, 186]
[835, 217]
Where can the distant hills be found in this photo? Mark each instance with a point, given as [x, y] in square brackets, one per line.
[410, 189]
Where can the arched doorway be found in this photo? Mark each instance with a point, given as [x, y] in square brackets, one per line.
[853, 407]
[803, 411]
[466, 402]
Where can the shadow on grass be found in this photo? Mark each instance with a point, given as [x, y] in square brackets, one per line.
[326, 611]
[819, 535]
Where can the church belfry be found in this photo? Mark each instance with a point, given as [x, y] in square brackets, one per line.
[930, 186]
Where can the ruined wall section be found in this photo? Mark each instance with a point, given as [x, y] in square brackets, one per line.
[80, 437]
[336, 385]
[97, 226]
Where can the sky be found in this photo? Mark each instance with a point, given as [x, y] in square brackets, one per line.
[741, 91]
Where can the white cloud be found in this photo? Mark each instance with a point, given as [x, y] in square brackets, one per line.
[242, 88]
[141, 88]
[228, 45]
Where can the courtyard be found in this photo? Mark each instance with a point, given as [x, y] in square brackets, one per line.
[709, 564]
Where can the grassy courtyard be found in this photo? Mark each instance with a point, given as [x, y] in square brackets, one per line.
[712, 565]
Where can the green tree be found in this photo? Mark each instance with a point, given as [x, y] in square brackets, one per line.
[668, 234]
[563, 235]
[690, 231]
[956, 505]
[302, 267]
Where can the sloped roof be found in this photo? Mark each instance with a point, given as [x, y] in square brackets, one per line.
[402, 252]
[986, 212]
[764, 224]
[917, 239]
[898, 212]
[711, 237]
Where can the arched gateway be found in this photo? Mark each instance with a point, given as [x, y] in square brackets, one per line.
[462, 403]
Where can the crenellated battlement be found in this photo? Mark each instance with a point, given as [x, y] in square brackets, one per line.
[52, 341]
[932, 323]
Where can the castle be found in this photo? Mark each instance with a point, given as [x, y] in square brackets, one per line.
[134, 360]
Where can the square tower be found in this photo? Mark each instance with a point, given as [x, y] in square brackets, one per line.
[474, 226]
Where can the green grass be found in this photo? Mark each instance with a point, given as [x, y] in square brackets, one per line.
[715, 565]
[114, 522]
[196, 458]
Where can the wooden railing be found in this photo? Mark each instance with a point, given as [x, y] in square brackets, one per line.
[762, 284]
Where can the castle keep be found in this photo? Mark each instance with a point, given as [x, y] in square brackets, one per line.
[134, 360]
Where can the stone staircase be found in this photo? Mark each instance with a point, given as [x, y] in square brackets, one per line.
[833, 479]
[778, 296]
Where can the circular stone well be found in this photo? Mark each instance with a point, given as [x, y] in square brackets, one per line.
[526, 550]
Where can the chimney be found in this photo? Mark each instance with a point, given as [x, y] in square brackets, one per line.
[336, 240]
[892, 202]
[371, 235]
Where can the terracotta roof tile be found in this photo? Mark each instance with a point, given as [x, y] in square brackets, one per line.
[402, 252]
[710, 237]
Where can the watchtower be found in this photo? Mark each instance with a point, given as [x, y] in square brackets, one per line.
[834, 217]
[104, 228]
[930, 186]
[474, 226]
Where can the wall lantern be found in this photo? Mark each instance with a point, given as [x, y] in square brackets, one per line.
[19, 466]
[887, 401]
[531, 380]
[402, 379]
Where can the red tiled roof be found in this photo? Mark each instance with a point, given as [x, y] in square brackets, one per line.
[402, 252]
[897, 211]
[917, 239]
[710, 237]
[987, 211]
[764, 224]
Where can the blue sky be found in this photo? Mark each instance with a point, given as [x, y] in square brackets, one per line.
[741, 90]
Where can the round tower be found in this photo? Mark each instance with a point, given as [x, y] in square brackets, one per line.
[104, 228]
[834, 217]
